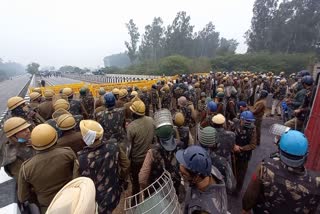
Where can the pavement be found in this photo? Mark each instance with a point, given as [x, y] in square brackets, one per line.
[10, 88]
[57, 80]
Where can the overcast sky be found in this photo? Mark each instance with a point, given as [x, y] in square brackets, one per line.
[82, 32]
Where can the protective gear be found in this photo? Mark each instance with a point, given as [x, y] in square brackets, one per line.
[109, 100]
[196, 159]
[77, 196]
[308, 80]
[14, 102]
[207, 136]
[203, 94]
[123, 93]
[166, 88]
[219, 90]
[218, 119]
[263, 93]
[43, 136]
[66, 122]
[14, 125]
[303, 73]
[34, 95]
[37, 90]
[182, 101]
[67, 92]
[163, 117]
[246, 79]
[197, 85]
[247, 116]
[283, 81]
[212, 106]
[116, 91]
[138, 108]
[134, 93]
[90, 130]
[48, 94]
[179, 119]
[220, 95]
[165, 135]
[144, 89]
[293, 147]
[83, 91]
[61, 103]
[22, 140]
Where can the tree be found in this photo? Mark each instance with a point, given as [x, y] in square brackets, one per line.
[132, 46]
[33, 68]
[179, 36]
[206, 41]
[152, 42]
[174, 65]
[227, 46]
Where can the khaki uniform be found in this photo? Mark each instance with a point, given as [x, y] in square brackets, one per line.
[16, 154]
[46, 173]
[71, 139]
[140, 135]
[258, 111]
[46, 109]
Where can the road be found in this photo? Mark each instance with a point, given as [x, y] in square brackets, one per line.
[10, 88]
[57, 80]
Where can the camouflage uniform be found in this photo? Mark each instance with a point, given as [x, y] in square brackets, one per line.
[245, 92]
[184, 136]
[154, 99]
[276, 188]
[88, 104]
[202, 106]
[166, 100]
[31, 116]
[246, 139]
[146, 99]
[164, 160]
[112, 121]
[197, 97]
[231, 109]
[225, 142]
[100, 162]
[75, 107]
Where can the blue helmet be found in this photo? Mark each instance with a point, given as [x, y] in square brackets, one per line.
[303, 73]
[263, 93]
[308, 80]
[212, 106]
[109, 100]
[196, 159]
[247, 116]
[293, 147]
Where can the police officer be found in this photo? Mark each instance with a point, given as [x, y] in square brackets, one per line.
[258, 112]
[18, 147]
[154, 98]
[284, 185]
[140, 133]
[280, 91]
[207, 118]
[49, 170]
[166, 97]
[146, 99]
[46, 108]
[76, 107]
[87, 101]
[18, 108]
[105, 163]
[207, 189]
[245, 144]
[207, 138]
[35, 99]
[225, 139]
[123, 94]
[69, 137]
[301, 104]
[186, 138]
[161, 156]
[112, 119]
[99, 101]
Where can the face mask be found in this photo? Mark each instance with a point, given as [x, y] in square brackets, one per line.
[21, 140]
[90, 137]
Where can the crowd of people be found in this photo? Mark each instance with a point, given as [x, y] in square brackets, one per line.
[202, 129]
